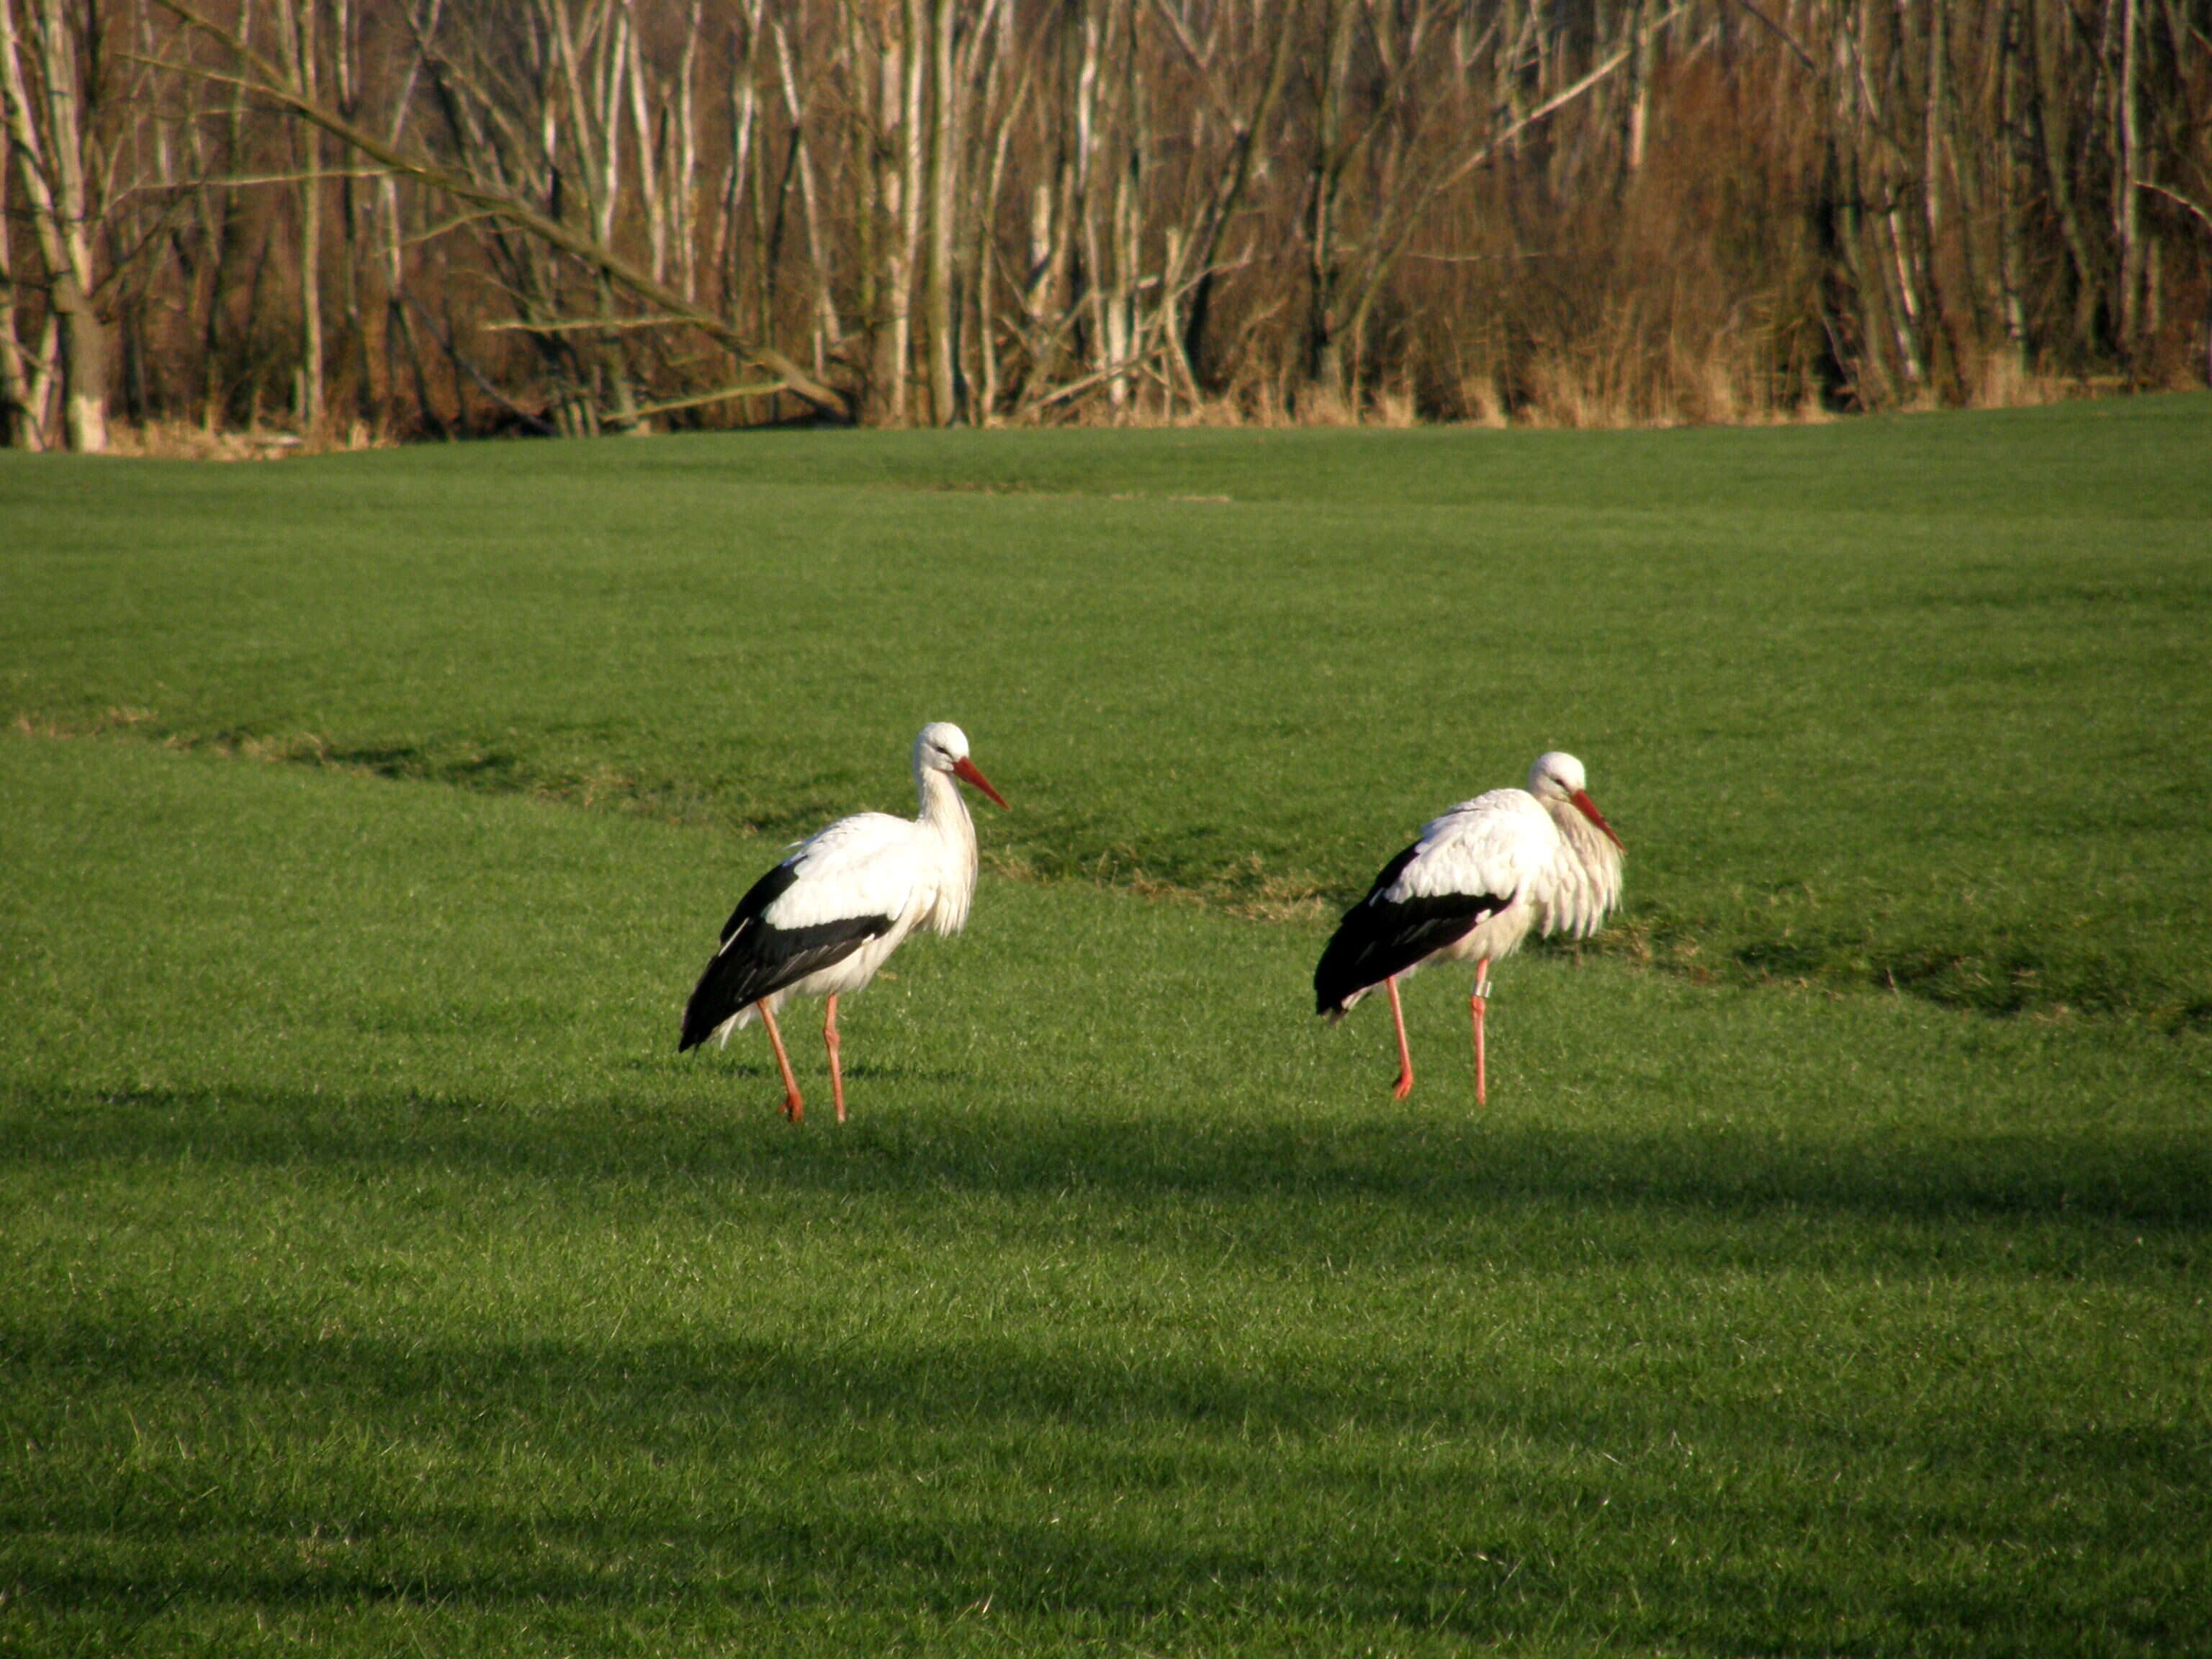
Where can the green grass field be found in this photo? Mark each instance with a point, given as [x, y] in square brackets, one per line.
[1828, 1274]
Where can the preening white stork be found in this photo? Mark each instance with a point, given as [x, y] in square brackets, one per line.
[1479, 878]
[823, 921]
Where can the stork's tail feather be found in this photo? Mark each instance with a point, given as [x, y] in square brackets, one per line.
[1337, 982]
[757, 961]
[1378, 939]
[713, 1001]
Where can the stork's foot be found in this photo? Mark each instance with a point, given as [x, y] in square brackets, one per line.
[1403, 1086]
[794, 1107]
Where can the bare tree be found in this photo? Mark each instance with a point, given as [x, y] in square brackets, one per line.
[555, 225]
[45, 90]
[598, 215]
[24, 374]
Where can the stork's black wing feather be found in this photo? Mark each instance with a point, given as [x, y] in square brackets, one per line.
[757, 960]
[1379, 937]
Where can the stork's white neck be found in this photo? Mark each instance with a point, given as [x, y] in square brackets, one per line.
[941, 805]
[945, 815]
[1592, 847]
[1585, 879]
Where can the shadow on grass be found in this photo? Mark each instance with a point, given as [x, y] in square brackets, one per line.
[825, 1573]
[1439, 1165]
[738, 1075]
[902, 1470]
[778, 1476]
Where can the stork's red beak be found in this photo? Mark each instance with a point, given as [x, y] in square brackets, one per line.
[1588, 810]
[964, 769]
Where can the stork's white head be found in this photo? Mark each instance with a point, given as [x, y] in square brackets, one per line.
[1558, 775]
[943, 747]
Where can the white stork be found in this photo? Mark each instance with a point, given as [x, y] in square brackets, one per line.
[1470, 889]
[823, 921]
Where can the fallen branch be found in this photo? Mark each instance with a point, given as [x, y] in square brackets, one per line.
[583, 325]
[721, 395]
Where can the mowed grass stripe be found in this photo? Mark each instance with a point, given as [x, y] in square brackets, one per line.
[1884, 706]
[384, 1277]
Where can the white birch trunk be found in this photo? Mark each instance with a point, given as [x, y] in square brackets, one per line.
[2127, 220]
[945, 105]
[48, 129]
[827, 331]
[299, 21]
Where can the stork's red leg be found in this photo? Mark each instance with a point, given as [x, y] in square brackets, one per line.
[794, 1107]
[830, 1041]
[1404, 1084]
[1478, 1003]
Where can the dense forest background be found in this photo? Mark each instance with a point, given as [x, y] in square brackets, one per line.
[351, 218]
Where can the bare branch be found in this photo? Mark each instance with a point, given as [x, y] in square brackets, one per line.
[2202, 216]
[273, 84]
[579, 324]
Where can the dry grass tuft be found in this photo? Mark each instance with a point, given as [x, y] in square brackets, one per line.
[1394, 405]
[1484, 399]
[1574, 394]
[2001, 379]
[187, 440]
[1325, 406]
[33, 725]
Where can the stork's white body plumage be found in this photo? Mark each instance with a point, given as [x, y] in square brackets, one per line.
[1481, 877]
[828, 917]
[909, 873]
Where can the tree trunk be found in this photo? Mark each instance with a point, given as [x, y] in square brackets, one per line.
[49, 132]
[827, 331]
[945, 105]
[2127, 220]
[84, 367]
[1324, 349]
[301, 20]
[911, 65]
[2049, 23]
[2012, 256]
[24, 427]
[1637, 98]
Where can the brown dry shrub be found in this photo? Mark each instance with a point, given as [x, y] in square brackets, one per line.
[188, 441]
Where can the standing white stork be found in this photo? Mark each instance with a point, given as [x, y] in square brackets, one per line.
[823, 921]
[1480, 876]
